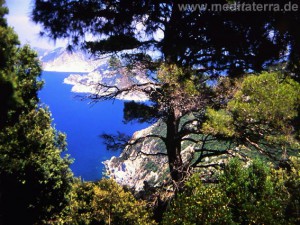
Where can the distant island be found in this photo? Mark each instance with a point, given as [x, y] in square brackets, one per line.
[94, 71]
[61, 60]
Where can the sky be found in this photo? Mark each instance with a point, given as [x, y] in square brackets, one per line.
[28, 31]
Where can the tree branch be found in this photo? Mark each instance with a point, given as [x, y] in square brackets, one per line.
[153, 154]
[262, 151]
[108, 92]
[147, 136]
[215, 165]
[190, 139]
[121, 141]
[210, 151]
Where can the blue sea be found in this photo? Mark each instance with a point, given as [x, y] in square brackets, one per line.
[83, 123]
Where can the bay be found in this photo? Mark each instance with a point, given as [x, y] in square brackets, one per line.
[83, 123]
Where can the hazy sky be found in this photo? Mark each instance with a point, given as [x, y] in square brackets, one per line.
[28, 31]
[19, 19]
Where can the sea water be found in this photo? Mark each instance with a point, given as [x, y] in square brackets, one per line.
[83, 122]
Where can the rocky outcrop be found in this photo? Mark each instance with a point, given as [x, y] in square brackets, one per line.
[89, 83]
[61, 60]
[135, 166]
[96, 71]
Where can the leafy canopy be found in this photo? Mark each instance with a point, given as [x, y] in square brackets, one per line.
[243, 194]
[34, 179]
[262, 109]
[201, 38]
[105, 202]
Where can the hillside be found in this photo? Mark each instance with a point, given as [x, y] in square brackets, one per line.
[61, 60]
[134, 170]
[95, 71]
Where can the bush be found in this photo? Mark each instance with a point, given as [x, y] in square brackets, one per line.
[105, 202]
[35, 180]
[255, 194]
[291, 179]
[199, 204]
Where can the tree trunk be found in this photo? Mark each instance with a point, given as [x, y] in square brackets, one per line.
[169, 49]
[173, 145]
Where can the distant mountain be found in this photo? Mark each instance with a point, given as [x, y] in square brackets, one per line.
[89, 83]
[41, 51]
[96, 71]
[61, 60]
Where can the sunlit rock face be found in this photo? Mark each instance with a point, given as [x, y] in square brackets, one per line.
[61, 60]
[89, 83]
[92, 72]
[132, 168]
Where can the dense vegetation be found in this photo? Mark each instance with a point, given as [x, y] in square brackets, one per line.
[34, 179]
[104, 202]
[36, 184]
[253, 194]
[252, 107]
[196, 49]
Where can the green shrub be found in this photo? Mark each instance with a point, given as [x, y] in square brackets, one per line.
[291, 180]
[199, 204]
[105, 202]
[256, 194]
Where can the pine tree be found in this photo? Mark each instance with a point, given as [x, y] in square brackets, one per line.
[34, 179]
[198, 42]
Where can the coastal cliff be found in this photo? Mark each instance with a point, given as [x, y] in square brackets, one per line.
[132, 168]
[89, 83]
[88, 71]
[135, 167]
[61, 60]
